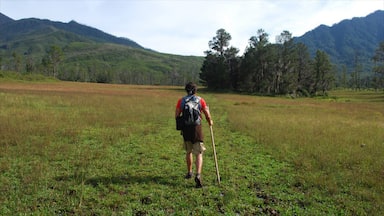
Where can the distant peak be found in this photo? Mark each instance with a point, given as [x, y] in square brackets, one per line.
[73, 22]
[5, 19]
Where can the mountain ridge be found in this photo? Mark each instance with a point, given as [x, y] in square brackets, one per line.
[349, 40]
[5, 19]
[11, 28]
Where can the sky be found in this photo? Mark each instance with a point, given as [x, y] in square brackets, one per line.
[184, 27]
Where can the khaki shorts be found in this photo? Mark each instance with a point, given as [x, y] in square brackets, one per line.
[196, 148]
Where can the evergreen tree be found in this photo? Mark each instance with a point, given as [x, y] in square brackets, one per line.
[220, 63]
[285, 78]
[322, 73]
[256, 65]
[378, 69]
[304, 73]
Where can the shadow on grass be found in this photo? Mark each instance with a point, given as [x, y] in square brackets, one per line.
[123, 179]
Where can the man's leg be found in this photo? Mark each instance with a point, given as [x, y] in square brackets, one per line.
[198, 150]
[189, 160]
[199, 165]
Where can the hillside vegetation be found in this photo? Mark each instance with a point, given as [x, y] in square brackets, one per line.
[100, 149]
[350, 43]
[87, 54]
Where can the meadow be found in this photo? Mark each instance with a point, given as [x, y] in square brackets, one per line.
[101, 149]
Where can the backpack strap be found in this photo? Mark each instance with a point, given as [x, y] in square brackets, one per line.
[190, 97]
[185, 100]
[199, 101]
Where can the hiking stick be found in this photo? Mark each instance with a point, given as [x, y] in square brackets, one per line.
[214, 154]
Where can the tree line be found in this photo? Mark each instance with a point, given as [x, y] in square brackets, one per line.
[285, 67]
[104, 63]
[49, 64]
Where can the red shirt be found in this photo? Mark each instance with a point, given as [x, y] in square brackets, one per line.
[193, 134]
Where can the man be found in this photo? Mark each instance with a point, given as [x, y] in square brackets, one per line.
[193, 134]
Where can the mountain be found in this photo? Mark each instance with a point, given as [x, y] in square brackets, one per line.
[348, 41]
[88, 54]
[4, 19]
[11, 30]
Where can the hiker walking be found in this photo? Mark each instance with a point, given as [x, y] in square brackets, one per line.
[188, 113]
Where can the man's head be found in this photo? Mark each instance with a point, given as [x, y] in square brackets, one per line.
[191, 88]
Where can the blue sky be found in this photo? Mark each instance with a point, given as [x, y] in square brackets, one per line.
[184, 27]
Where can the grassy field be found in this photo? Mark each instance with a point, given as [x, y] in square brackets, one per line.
[99, 149]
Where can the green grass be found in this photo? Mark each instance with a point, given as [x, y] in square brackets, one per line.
[9, 76]
[335, 147]
[100, 149]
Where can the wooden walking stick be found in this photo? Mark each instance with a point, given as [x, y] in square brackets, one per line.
[214, 154]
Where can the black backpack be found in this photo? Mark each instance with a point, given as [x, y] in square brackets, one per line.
[191, 110]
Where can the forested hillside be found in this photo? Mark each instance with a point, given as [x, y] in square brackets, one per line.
[75, 52]
[350, 43]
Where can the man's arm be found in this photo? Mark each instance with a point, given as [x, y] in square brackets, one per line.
[178, 109]
[177, 112]
[208, 115]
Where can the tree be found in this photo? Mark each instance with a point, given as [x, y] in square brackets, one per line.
[29, 64]
[378, 69]
[343, 77]
[220, 63]
[322, 72]
[233, 66]
[303, 69]
[212, 71]
[16, 62]
[220, 41]
[285, 79]
[256, 65]
[52, 60]
[356, 74]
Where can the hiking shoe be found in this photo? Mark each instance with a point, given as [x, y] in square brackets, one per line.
[198, 182]
[188, 175]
